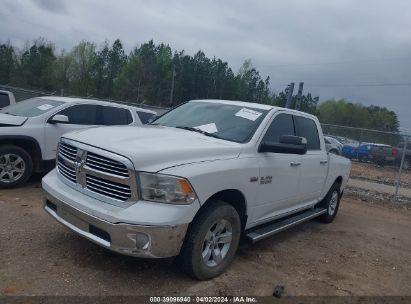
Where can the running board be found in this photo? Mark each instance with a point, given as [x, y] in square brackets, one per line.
[262, 232]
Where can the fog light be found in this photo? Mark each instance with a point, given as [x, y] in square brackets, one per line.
[142, 241]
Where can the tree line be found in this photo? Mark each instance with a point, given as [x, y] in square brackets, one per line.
[154, 74]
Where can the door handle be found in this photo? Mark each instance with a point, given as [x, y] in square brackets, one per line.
[295, 164]
[323, 162]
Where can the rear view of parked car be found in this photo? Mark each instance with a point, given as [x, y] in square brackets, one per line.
[349, 151]
[333, 145]
[407, 157]
[381, 154]
[30, 130]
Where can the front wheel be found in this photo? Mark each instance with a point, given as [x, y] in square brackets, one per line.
[331, 202]
[211, 241]
[15, 166]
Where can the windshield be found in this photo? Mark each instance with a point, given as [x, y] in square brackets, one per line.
[31, 107]
[229, 122]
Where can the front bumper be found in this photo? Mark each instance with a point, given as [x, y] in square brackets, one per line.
[129, 239]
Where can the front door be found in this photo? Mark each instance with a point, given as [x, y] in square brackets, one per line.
[279, 173]
[80, 117]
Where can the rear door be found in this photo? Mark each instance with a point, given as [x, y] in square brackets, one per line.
[112, 116]
[314, 164]
[145, 116]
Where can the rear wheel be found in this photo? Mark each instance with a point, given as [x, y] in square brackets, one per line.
[331, 202]
[15, 166]
[211, 241]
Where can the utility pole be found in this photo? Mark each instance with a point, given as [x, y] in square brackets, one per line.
[299, 96]
[289, 90]
[172, 85]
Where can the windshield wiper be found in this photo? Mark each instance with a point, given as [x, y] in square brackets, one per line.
[198, 131]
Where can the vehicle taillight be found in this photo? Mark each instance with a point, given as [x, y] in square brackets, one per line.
[394, 152]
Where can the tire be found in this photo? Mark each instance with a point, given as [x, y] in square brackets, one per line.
[407, 164]
[203, 235]
[331, 202]
[16, 166]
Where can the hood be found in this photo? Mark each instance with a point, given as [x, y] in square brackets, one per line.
[155, 148]
[11, 120]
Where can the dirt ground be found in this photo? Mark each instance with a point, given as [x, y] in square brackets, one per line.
[366, 251]
[386, 175]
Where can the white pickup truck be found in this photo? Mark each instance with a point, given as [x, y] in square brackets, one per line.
[30, 130]
[191, 184]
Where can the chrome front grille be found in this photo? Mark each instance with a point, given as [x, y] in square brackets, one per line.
[106, 165]
[67, 171]
[111, 189]
[68, 151]
[98, 173]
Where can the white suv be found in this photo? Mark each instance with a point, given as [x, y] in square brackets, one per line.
[30, 130]
[6, 99]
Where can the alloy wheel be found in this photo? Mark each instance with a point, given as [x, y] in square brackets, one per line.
[12, 168]
[333, 203]
[217, 243]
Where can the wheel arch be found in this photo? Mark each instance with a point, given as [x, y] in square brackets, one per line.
[27, 143]
[339, 180]
[233, 197]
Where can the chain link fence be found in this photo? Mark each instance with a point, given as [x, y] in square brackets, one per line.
[381, 161]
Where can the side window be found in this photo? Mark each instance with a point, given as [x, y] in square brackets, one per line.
[145, 116]
[81, 114]
[281, 125]
[327, 141]
[4, 100]
[307, 128]
[114, 116]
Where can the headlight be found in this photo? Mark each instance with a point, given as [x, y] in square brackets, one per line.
[166, 189]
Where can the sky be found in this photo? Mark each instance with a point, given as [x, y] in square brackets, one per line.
[359, 50]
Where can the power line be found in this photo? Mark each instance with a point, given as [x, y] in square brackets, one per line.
[361, 85]
[334, 63]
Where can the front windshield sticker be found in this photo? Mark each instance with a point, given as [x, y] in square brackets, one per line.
[248, 114]
[209, 128]
[45, 107]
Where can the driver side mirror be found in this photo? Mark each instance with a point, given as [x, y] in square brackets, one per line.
[289, 144]
[58, 118]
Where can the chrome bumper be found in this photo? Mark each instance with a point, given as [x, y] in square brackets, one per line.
[128, 239]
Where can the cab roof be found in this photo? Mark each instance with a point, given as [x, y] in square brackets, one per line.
[238, 103]
[254, 105]
[93, 101]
